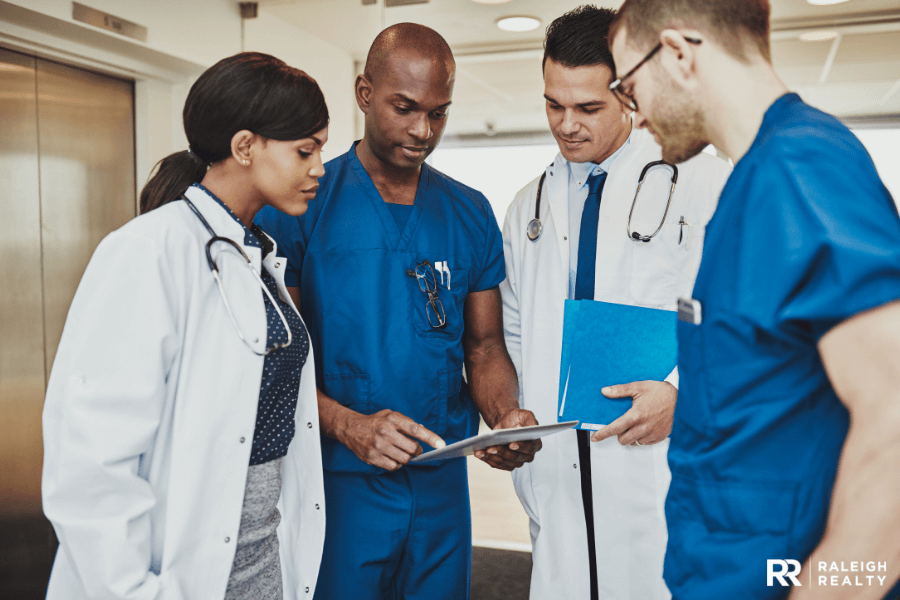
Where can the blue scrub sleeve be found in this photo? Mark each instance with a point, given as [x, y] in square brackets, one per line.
[287, 233]
[833, 241]
[493, 267]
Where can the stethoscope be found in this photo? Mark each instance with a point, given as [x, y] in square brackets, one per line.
[535, 228]
[215, 271]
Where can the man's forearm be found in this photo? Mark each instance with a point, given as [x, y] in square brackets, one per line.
[492, 381]
[864, 519]
[332, 416]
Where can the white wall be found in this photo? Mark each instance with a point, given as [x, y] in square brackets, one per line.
[201, 31]
[330, 66]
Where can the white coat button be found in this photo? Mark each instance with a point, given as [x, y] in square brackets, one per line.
[309, 425]
[278, 264]
[317, 507]
[243, 440]
[255, 340]
[228, 539]
[574, 466]
[565, 237]
[307, 590]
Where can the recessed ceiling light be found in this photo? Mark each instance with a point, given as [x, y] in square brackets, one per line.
[825, 2]
[818, 36]
[491, 1]
[518, 23]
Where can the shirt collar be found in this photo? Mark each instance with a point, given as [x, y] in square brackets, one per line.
[252, 234]
[774, 113]
[580, 172]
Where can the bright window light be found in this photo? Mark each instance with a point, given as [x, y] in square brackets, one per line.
[518, 23]
[491, 1]
[498, 172]
[825, 2]
[884, 148]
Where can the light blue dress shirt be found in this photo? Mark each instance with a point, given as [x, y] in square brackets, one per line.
[578, 192]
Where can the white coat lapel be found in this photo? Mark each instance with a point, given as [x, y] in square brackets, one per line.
[556, 193]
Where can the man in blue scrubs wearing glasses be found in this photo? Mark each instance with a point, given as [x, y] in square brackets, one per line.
[395, 267]
[786, 442]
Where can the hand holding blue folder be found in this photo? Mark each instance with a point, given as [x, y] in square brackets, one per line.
[610, 344]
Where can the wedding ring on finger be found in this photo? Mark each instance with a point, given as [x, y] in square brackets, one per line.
[637, 443]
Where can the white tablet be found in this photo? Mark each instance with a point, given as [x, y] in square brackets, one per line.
[497, 437]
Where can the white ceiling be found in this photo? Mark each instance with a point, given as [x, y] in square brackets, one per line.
[499, 73]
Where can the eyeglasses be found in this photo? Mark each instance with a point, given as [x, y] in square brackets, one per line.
[616, 86]
[434, 308]
[215, 271]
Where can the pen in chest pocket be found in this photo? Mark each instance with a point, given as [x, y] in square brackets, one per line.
[442, 267]
[681, 237]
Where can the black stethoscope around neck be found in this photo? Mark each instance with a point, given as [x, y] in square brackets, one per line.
[214, 269]
[535, 228]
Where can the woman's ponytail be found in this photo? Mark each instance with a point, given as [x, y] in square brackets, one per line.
[173, 175]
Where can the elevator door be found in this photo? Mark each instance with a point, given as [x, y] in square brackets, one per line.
[66, 180]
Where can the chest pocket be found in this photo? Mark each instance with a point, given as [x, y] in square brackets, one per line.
[665, 267]
[452, 286]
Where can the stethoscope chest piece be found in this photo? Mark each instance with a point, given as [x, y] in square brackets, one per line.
[534, 230]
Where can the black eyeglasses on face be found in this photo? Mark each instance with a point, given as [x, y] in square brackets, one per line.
[434, 308]
[616, 86]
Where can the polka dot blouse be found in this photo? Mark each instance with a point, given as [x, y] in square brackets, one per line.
[281, 368]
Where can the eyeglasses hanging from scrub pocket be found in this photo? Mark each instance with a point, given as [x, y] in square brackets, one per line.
[434, 308]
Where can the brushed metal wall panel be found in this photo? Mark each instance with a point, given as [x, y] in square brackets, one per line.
[86, 133]
[21, 317]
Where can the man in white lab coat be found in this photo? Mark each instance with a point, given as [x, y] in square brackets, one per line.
[596, 505]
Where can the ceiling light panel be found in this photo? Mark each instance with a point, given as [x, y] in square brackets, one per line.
[518, 23]
[826, 2]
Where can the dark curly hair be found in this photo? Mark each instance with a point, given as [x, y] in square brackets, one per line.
[579, 38]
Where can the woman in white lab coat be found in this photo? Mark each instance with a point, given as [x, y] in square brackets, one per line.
[629, 483]
[181, 406]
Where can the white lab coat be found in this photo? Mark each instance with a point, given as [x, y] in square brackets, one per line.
[149, 419]
[629, 483]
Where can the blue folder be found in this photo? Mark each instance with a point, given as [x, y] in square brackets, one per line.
[608, 344]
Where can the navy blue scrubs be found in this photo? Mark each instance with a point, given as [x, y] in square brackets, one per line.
[408, 532]
[804, 237]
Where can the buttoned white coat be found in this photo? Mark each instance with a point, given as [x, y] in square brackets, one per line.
[629, 483]
[150, 413]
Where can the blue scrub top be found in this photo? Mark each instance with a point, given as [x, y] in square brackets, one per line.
[367, 318]
[804, 237]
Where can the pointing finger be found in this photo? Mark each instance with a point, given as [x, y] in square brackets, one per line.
[420, 432]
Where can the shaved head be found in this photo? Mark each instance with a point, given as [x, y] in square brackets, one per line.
[404, 41]
[405, 92]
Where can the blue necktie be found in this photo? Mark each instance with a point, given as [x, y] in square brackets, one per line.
[587, 241]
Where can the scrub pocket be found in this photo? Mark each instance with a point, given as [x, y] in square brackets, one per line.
[714, 527]
[662, 269]
[352, 390]
[452, 290]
